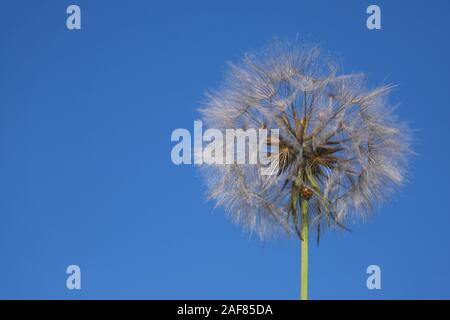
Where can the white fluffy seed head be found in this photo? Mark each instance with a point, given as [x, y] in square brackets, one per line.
[292, 81]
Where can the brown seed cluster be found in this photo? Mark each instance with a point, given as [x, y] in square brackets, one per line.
[306, 193]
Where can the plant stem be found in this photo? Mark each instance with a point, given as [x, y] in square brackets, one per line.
[304, 252]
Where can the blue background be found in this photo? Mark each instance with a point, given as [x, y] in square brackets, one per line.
[85, 171]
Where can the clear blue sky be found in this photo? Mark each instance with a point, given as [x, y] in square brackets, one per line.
[85, 171]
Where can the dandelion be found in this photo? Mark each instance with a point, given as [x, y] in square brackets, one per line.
[341, 150]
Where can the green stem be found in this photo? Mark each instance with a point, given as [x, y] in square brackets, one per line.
[304, 254]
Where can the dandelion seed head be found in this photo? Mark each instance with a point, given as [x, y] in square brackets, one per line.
[341, 147]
